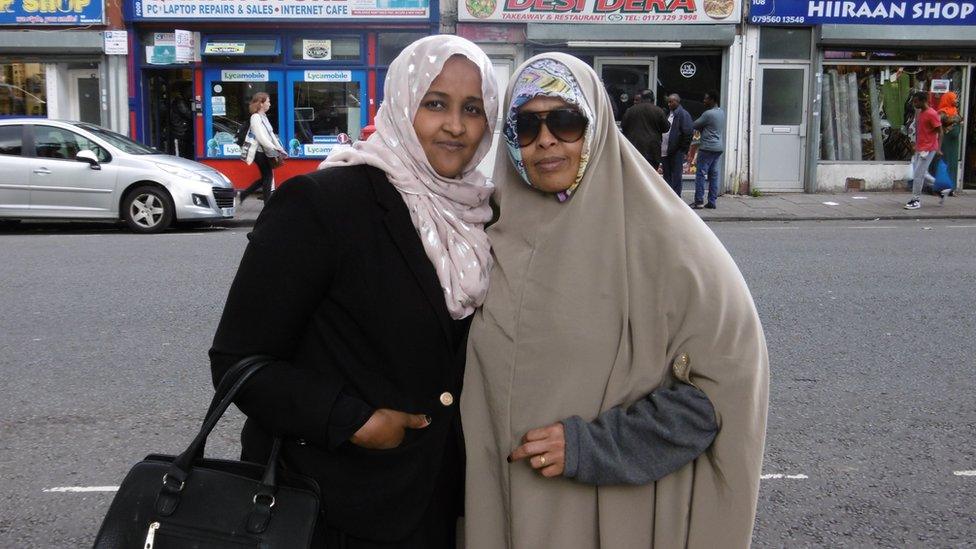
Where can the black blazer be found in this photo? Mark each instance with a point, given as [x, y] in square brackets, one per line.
[335, 282]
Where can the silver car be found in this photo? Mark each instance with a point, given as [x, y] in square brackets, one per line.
[52, 169]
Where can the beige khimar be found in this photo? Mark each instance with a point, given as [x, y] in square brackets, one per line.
[591, 302]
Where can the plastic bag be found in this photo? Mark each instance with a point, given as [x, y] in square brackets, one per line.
[942, 179]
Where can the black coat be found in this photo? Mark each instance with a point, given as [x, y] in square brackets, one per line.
[335, 282]
[643, 125]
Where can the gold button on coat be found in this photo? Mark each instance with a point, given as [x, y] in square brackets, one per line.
[447, 398]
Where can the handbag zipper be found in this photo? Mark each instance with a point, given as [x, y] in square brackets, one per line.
[151, 536]
[174, 530]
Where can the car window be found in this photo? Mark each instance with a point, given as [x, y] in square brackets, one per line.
[11, 140]
[51, 142]
[118, 140]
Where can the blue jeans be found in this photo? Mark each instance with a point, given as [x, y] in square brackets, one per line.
[673, 169]
[707, 163]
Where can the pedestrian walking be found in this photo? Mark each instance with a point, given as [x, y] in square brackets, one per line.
[643, 125]
[711, 145]
[952, 133]
[675, 143]
[262, 147]
[928, 144]
[361, 278]
[597, 367]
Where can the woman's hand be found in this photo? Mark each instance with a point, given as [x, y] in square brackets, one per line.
[545, 448]
[385, 429]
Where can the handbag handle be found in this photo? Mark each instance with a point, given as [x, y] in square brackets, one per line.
[180, 468]
[226, 381]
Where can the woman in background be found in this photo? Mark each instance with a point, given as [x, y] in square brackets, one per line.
[264, 147]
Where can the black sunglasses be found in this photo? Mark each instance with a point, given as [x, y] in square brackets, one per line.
[566, 125]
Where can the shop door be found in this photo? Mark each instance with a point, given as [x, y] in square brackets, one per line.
[624, 78]
[169, 116]
[780, 150]
[84, 93]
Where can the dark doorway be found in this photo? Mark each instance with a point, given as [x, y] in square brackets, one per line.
[169, 112]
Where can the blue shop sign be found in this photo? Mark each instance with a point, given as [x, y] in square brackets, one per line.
[862, 12]
[52, 12]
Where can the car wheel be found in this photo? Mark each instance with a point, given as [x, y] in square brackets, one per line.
[147, 210]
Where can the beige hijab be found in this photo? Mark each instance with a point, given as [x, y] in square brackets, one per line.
[591, 302]
[449, 214]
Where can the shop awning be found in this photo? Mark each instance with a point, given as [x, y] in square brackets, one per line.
[914, 36]
[686, 35]
[242, 45]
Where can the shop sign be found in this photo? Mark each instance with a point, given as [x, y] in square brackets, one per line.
[328, 76]
[218, 105]
[862, 12]
[317, 50]
[161, 55]
[602, 11]
[279, 9]
[941, 85]
[183, 40]
[116, 42]
[244, 76]
[225, 47]
[688, 69]
[48, 12]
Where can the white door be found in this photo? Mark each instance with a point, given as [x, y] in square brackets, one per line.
[61, 184]
[84, 93]
[781, 147]
[503, 71]
[625, 77]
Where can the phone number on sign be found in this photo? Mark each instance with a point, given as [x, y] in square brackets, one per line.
[782, 19]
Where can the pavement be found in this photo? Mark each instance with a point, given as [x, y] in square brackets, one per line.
[865, 206]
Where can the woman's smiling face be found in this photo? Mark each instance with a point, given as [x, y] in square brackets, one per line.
[551, 164]
[450, 122]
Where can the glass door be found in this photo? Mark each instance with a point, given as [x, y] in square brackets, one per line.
[227, 94]
[782, 127]
[624, 78]
[325, 109]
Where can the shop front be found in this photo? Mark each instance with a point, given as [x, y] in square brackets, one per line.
[53, 62]
[676, 46]
[322, 64]
[865, 64]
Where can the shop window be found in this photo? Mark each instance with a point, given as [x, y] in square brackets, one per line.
[23, 89]
[325, 114]
[228, 111]
[390, 44]
[785, 43]
[11, 140]
[247, 50]
[326, 48]
[866, 110]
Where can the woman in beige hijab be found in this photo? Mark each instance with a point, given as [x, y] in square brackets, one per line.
[616, 386]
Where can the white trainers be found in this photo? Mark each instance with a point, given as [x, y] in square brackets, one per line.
[913, 204]
[943, 194]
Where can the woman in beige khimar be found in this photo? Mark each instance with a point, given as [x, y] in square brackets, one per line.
[616, 387]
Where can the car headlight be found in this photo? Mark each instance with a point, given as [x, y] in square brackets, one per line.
[181, 173]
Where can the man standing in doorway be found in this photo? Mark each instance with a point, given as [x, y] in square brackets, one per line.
[675, 144]
[711, 127]
[643, 125]
[928, 145]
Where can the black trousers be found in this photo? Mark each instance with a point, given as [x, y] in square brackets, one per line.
[264, 181]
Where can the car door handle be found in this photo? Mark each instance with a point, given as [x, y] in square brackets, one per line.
[42, 171]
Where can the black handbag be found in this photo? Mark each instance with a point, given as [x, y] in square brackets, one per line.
[187, 501]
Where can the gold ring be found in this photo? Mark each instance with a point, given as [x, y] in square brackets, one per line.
[542, 460]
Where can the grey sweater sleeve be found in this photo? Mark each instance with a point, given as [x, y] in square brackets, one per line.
[654, 437]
